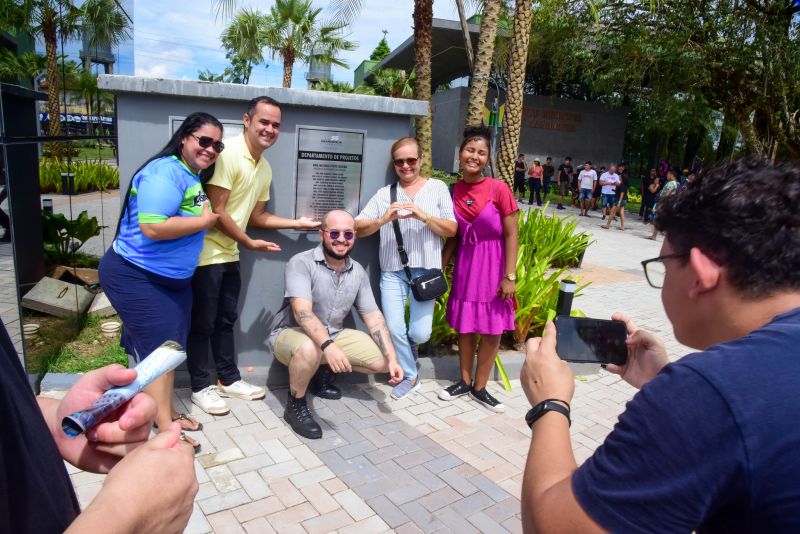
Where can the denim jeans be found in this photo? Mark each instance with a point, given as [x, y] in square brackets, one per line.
[215, 291]
[395, 290]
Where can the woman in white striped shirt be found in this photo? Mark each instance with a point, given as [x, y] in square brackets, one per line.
[424, 210]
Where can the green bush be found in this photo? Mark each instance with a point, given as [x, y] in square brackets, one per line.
[89, 175]
[548, 245]
[63, 237]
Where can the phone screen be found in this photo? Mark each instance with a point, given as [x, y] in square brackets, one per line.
[587, 340]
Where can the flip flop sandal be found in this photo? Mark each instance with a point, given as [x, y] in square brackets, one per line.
[187, 439]
[181, 418]
[184, 417]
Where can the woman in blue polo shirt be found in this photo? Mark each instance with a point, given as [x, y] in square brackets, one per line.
[147, 271]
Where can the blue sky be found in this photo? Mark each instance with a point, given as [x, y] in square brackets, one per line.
[172, 41]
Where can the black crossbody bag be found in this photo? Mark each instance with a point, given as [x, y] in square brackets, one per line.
[428, 286]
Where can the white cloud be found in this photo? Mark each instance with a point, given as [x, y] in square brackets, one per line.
[175, 40]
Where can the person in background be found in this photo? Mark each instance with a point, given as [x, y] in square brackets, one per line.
[722, 455]
[520, 166]
[621, 194]
[608, 183]
[424, 210]
[649, 192]
[147, 272]
[669, 188]
[150, 485]
[563, 179]
[484, 276]
[597, 189]
[548, 177]
[587, 182]
[536, 179]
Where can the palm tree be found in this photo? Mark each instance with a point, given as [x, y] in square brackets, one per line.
[245, 39]
[515, 93]
[52, 19]
[423, 29]
[479, 82]
[395, 83]
[423, 44]
[26, 66]
[293, 31]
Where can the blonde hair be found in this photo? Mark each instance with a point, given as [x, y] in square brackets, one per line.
[402, 142]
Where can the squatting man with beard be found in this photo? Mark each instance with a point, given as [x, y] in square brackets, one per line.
[322, 286]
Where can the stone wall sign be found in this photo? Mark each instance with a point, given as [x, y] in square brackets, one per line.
[329, 170]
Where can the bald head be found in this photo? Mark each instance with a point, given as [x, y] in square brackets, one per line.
[337, 218]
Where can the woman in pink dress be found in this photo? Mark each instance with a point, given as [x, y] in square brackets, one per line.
[484, 281]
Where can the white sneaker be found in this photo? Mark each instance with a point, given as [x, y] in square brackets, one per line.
[209, 401]
[242, 390]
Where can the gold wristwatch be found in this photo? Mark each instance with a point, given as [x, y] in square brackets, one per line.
[511, 277]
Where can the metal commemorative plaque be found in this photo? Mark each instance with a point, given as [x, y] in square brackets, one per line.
[329, 170]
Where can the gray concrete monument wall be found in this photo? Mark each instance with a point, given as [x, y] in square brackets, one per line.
[144, 108]
[550, 127]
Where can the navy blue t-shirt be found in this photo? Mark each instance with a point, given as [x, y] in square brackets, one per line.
[711, 444]
[36, 494]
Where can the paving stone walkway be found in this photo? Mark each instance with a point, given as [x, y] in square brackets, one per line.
[416, 465]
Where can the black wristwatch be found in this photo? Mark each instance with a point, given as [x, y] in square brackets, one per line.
[325, 344]
[549, 405]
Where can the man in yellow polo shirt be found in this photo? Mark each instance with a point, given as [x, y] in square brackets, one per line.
[238, 191]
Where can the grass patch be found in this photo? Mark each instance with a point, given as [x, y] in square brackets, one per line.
[92, 153]
[70, 345]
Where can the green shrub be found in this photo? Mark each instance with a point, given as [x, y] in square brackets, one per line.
[548, 245]
[63, 237]
[89, 176]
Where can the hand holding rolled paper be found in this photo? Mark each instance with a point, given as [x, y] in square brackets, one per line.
[162, 360]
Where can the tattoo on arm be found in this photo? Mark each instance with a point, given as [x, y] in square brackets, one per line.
[377, 335]
[304, 315]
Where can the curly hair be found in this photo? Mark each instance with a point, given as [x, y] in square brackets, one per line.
[475, 133]
[745, 216]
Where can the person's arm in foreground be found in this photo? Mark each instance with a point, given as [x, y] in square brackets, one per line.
[379, 332]
[548, 502]
[163, 462]
[219, 200]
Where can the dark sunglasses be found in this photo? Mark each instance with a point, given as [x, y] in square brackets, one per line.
[408, 161]
[335, 234]
[204, 141]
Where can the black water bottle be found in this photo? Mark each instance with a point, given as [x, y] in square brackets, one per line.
[565, 293]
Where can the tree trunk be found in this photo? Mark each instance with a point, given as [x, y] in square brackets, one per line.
[467, 39]
[727, 137]
[423, 30]
[693, 141]
[750, 137]
[512, 121]
[288, 64]
[479, 84]
[50, 44]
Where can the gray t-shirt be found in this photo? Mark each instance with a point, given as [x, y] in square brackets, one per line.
[332, 296]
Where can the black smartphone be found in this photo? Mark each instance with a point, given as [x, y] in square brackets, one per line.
[585, 340]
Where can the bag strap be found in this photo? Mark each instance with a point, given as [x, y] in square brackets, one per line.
[399, 236]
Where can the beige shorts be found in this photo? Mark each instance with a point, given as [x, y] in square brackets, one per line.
[359, 348]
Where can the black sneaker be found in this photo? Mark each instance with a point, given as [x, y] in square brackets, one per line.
[560, 207]
[487, 400]
[322, 384]
[452, 392]
[299, 418]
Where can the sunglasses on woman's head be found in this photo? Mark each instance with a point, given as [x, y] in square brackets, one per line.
[204, 141]
[348, 235]
[408, 161]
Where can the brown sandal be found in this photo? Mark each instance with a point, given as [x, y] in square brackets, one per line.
[193, 442]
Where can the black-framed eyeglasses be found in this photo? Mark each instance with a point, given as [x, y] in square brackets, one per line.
[655, 270]
[408, 161]
[335, 234]
[205, 141]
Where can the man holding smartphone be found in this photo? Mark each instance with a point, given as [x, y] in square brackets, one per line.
[710, 442]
